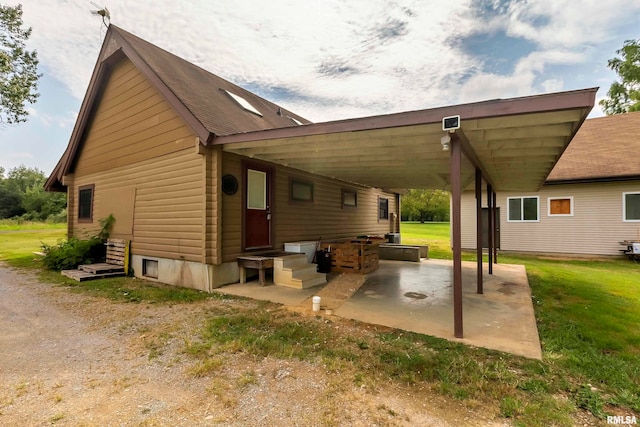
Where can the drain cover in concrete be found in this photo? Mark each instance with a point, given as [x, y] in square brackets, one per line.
[415, 295]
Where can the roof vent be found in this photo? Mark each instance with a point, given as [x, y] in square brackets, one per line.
[243, 103]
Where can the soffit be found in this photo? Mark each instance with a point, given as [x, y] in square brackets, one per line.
[516, 146]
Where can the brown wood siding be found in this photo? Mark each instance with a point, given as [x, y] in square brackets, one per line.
[210, 181]
[295, 221]
[137, 144]
[168, 219]
[132, 123]
[595, 228]
[232, 210]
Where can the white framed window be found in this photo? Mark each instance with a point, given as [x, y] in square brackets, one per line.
[631, 207]
[560, 206]
[523, 209]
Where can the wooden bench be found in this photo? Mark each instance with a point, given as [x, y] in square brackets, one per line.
[260, 263]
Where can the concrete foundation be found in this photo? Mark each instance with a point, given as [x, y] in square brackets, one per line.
[186, 274]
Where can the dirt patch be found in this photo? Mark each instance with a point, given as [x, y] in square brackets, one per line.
[71, 359]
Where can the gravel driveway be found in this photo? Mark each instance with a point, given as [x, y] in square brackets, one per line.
[71, 359]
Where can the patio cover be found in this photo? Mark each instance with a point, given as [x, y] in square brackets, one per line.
[515, 142]
[509, 144]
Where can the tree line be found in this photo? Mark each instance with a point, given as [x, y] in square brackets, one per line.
[22, 196]
[425, 205]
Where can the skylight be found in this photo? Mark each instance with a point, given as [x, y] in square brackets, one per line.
[244, 103]
[294, 120]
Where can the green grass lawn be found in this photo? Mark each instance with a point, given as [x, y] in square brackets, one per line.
[587, 312]
[588, 315]
[19, 241]
[435, 234]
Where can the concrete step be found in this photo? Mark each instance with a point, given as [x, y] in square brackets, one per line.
[306, 282]
[283, 275]
[290, 261]
[295, 271]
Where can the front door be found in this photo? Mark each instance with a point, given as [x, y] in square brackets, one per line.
[485, 228]
[257, 227]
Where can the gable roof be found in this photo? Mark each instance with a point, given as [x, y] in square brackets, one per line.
[604, 149]
[203, 100]
[203, 93]
[513, 142]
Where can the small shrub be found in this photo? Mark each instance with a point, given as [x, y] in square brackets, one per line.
[68, 255]
[73, 252]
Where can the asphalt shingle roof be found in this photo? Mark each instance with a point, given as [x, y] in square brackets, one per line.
[604, 148]
[203, 92]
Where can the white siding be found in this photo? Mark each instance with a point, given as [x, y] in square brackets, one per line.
[595, 228]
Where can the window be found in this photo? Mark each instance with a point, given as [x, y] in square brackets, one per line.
[150, 268]
[383, 208]
[85, 203]
[560, 206]
[256, 189]
[349, 199]
[301, 191]
[523, 209]
[631, 207]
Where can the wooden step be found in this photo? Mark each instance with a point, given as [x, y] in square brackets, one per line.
[81, 276]
[101, 268]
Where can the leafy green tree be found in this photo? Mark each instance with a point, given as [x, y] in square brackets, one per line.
[18, 67]
[425, 205]
[21, 178]
[22, 194]
[624, 95]
[10, 203]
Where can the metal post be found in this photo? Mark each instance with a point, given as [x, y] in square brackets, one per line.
[490, 226]
[456, 193]
[495, 228]
[479, 230]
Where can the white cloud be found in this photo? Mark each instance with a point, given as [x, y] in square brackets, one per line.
[552, 85]
[347, 58]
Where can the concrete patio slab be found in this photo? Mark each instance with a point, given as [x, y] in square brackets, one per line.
[418, 297]
[277, 294]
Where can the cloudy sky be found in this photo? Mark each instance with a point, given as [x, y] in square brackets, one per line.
[330, 59]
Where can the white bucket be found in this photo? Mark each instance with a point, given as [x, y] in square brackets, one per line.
[316, 303]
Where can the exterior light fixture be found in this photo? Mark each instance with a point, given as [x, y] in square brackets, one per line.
[446, 142]
[451, 123]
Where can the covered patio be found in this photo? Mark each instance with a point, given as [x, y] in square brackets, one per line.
[417, 297]
[497, 145]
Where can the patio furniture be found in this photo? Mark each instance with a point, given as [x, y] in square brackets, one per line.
[632, 249]
[260, 263]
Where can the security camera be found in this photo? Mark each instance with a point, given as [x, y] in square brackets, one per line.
[445, 141]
